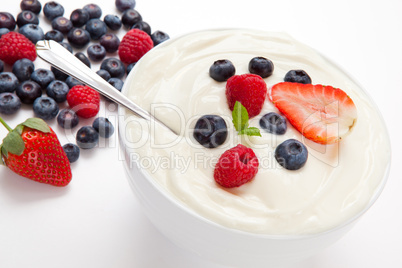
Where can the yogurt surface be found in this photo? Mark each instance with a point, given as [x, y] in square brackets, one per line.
[172, 81]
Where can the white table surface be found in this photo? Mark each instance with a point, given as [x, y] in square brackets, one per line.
[96, 221]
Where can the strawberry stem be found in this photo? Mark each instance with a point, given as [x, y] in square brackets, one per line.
[5, 124]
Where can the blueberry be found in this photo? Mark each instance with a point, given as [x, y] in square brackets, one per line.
[96, 52]
[31, 5]
[222, 70]
[71, 82]
[53, 10]
[84, 59]
[130, 67]
[67, 119]
[104, 74]
[143, 26]
[159, 37]
[78, 38]
[8, 82]
[57, 90]
[113, 22]
[3, 31]
[1, 66]
[261, 66]
[117, 83]
[297, 76]
[96, 28]
[27, 17]
[45, 108]
[33, 32]
[94, 11]
[291, 154]
[59, 75]
[130, 17]
[72, 152]
[54, 35]
[87, 137]
[28, 91]
[43, 77]
[79, 17]
[23, 69]
[123, 5]
[114, 66]
[9, 103]
[67, 46]
[273, 123]
[210, 131]
[110, 42]
[7, 21]
[103, 126]
[62, 24]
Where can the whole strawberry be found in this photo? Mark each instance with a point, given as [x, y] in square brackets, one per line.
[84, 100]
[15, 46]
[236, 166]
[33, 150]
[134, 45]
[248, 89]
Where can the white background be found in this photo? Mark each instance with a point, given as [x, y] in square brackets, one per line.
[96, 221]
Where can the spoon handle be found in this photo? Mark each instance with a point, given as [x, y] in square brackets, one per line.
[59, 57]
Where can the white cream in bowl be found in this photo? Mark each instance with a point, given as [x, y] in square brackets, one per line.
[336, 184]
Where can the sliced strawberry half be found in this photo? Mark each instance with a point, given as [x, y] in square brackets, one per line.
[323, 114]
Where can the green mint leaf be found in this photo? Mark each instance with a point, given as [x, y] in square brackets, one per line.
[36, 123]
[240, 117]
[250, 131]
[240, 121]
[13, 143]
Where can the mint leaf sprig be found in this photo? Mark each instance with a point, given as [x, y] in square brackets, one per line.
[240, 121]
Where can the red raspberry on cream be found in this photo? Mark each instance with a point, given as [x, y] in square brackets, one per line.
[236, 167]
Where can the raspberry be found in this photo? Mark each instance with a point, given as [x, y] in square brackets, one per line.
[134, 45]
[236, 166]
[14, 46]
[84, 100]
[248, 89]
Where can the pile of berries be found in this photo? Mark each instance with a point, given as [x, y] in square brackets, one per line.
[297, 100]
[46, 90]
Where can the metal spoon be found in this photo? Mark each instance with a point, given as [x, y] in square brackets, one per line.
[59, 57]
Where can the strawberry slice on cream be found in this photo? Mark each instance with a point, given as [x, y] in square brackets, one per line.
[323, 114]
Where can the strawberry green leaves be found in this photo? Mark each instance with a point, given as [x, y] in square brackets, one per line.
[1, 156]
[240, 121]
[36, 123]
[13, 142]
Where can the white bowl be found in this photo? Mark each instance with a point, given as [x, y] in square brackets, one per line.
[210, 240]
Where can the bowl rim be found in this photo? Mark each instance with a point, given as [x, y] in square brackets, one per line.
[175, 201]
